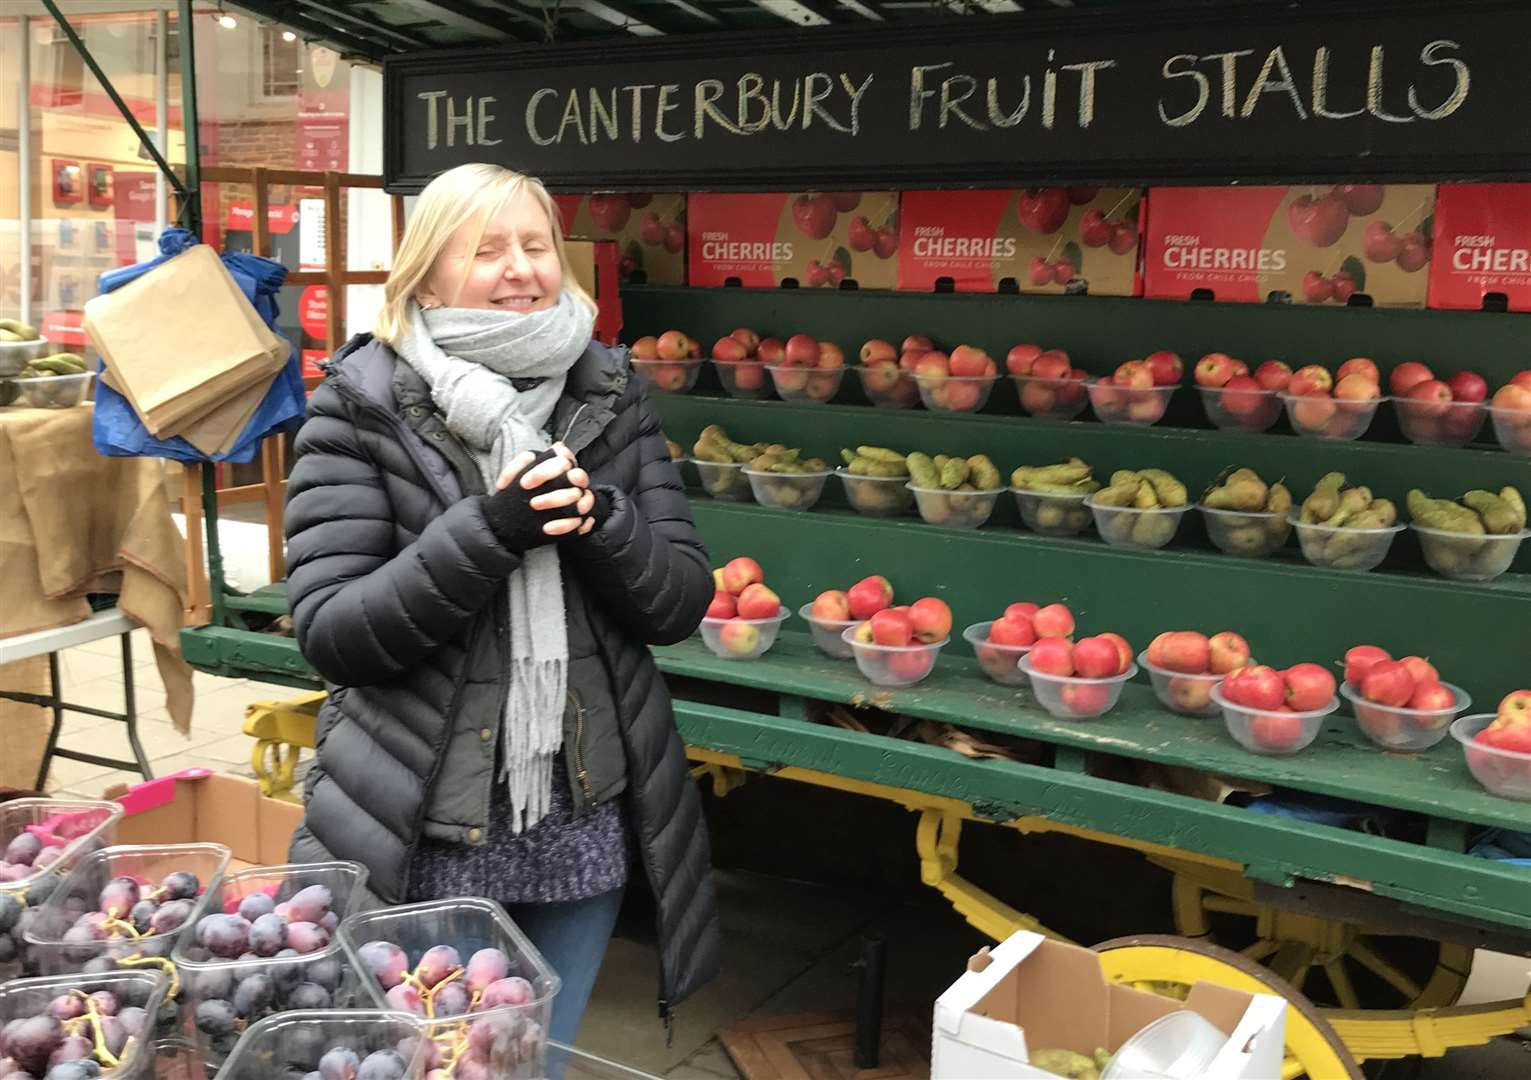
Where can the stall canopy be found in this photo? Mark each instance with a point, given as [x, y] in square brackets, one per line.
[374, 29]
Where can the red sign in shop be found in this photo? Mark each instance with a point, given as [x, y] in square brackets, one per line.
[314, 312]
[322, 141]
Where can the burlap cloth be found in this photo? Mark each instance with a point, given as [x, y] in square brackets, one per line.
[73, 522]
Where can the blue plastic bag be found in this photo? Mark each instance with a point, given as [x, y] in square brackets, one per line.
[118, 432]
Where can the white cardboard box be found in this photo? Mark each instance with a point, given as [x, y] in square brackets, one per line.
[1036, 992]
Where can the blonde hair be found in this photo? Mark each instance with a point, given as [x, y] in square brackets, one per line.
[453, 199]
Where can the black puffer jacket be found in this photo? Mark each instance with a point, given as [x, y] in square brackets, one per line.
[389, 574]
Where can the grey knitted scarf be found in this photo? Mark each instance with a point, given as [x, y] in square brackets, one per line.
[468, 357]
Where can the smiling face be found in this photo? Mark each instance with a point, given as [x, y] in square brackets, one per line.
[513, 267]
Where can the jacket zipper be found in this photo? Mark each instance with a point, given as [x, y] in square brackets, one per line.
[579, 735]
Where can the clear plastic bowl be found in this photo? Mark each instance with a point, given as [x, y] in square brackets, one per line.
[745, 379]
[467, 925]
[1240, 410]
[1512, 427]
[1321, 417]
[1049, 513]
[143, 989]
[292, 1043]
[146, 862]
[1252, 534]
[77, 827]
[1001, 663]
[955, 393]
[1074, 697]
[205, 976]
[668, 376]
[1395, 728]
[1506, 773]
[787, 491]
[1138, 406]
[1466, 557]
[877, 496]
[723, 481]
[1271, 732]
[893, 665]
[55, 391]
[1339, 548]
[828, 634]
[1178, 1046]
[1453, 423]
[1051, 399]
[956, 509]
[805, 384]
[754, 639]
[15, 355]
[1127, 526]
[888, 386]
[1180, 692]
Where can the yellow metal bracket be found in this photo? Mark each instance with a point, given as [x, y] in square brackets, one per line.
[936, 839]
[282, 731]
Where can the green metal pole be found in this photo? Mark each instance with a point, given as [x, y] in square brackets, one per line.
[191, 217]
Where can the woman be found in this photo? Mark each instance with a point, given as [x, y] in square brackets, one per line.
[484, 534]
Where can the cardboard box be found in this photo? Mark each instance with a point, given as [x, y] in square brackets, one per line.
[594, 265]
[1482, 246]
[1036, 993]
[199, 805]
[1300, 244]
[649, 231]
[813, 239]
[1035, 240]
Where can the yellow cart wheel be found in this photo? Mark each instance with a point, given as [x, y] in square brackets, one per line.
[1170, 965]
[1396, 971]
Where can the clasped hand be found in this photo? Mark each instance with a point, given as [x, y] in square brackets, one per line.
[577, 496]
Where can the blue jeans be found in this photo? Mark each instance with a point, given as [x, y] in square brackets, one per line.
[572, 938]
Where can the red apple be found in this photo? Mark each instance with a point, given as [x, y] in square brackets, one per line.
[1467, 386]
[1360, 659]
[1016, 632]
[1095, 658]
[1086, 699]
[1054, 620]
[1226, 651]
[730, 350]
[748, 338]
[1515, 707]
[878, 351]
[1189, 695]
[646, 348]
[1243, 395]
[1388, 683]
[1407, 374]
[931, 619]
[1053, 656]
[1273, 375]
[722, 606]
[740, 573]
[1258, 687]
[801, 351]
[1420, 669]
[969, 362]
[1310, 379]
[869, 596]
[1022, 610]
[891, 627]
[831, 605]
[1185, 651]
[1513, 398]
[917, 343]
[1134, 373]
[1214, 369]
[1052, 364]
[1314, 411]
[739, 638]
[1276, 730]
[911, 666]
[1429, 398]
[830, 356]
[1123, 650]
[1167, 367]
[1432, 695]
[1358, 365]
[1020, 358]
[1308, 687]
[673, 345]
[758, 601]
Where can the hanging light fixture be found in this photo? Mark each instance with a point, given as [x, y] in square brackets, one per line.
[289, 36]
[224, 19]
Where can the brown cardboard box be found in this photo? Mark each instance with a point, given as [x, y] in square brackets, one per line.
[594, 265]
[199, 805]
[649, 231]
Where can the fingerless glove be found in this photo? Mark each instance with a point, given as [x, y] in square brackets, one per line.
[510, 515]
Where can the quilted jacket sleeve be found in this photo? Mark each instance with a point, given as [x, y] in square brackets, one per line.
[645, 561]
[363, 607]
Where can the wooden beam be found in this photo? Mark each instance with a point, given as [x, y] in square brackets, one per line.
[370, 28]
[622, 16]
[497, 22]
[696, 12]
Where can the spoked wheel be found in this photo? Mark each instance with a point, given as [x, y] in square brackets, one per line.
[1337, 964]
[1162, 964]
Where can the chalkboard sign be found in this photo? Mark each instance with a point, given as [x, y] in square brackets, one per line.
[1255, 92]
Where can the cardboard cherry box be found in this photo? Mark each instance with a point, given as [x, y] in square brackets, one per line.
[811, 239]
[1482, 246]
[1035, 240]
[1303, 244]
[202, 806]
[1030, 993]
[649, 231]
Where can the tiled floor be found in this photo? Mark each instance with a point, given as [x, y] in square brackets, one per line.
[787, 946]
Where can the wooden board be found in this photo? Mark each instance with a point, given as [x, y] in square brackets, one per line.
[821, 1046]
